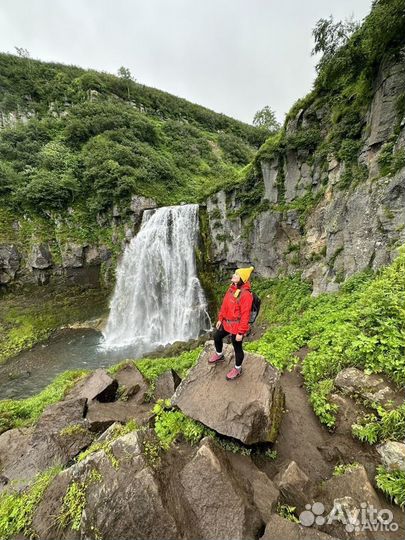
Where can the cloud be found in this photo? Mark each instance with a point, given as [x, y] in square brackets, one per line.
[233, 56]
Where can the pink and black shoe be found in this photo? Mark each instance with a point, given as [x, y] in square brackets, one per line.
[215, 358]
[233, 374]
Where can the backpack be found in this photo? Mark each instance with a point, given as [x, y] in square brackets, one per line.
[254, 312]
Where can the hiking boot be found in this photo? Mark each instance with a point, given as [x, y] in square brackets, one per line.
[215, 358]
[233, 374]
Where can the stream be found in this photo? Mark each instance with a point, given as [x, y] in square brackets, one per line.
[31, 371]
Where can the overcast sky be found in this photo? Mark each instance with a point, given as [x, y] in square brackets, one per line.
[233, 56]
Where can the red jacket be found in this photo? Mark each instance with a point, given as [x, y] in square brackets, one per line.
[235, 312]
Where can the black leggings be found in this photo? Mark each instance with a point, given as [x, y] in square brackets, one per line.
[237, 345]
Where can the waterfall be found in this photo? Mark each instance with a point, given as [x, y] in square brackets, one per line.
[158, 298]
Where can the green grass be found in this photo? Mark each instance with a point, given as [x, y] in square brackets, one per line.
[343, 468]
[17, 509]
[25, 412]
[382, 425]
[74, 501]
[118, 431]
[392, 483]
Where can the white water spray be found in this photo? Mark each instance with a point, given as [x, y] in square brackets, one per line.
[158, 298]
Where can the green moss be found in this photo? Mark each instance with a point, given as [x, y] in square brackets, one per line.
[343, 468]
[215, 214]
[73, 429]
[105, 446]
[17, 509]
[74, 501]
[34, 313]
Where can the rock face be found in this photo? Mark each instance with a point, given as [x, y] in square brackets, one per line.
[9, 263]
[60, 434]
[392, 455]
[343, 230]
[124, 497]
[98, 385]
[248, 409]
[279, 528]
[40, 257]
[212, 490]
[373, 388]
[139, 204]
[166, 384]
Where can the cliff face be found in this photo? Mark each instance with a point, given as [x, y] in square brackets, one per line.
[326, 218]
[38, 256]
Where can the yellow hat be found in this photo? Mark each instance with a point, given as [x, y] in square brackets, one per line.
[244, 273]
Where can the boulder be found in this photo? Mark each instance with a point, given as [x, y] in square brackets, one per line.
[98, 385]
[349, 412]
[102, 415]
[214, 494]
[249, 408]
[131, 381]
[392, 455]
[263, 490]
[353, 482]
[59, 415]
[354, 381]
[9, 263]
[40, 257]
[279, 528]
[293, 484]
[124, 501]
[342, 497]
[60, 434]
[166, 384]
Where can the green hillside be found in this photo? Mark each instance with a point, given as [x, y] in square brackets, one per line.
[94, 139]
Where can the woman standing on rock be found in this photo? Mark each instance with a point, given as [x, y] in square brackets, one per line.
[233, 319]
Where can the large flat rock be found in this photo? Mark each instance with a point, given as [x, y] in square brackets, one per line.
[248, 408]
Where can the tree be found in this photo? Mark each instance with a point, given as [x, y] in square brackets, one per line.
[330, 37]
[22, 53]
[266, 118]
[125, 74]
